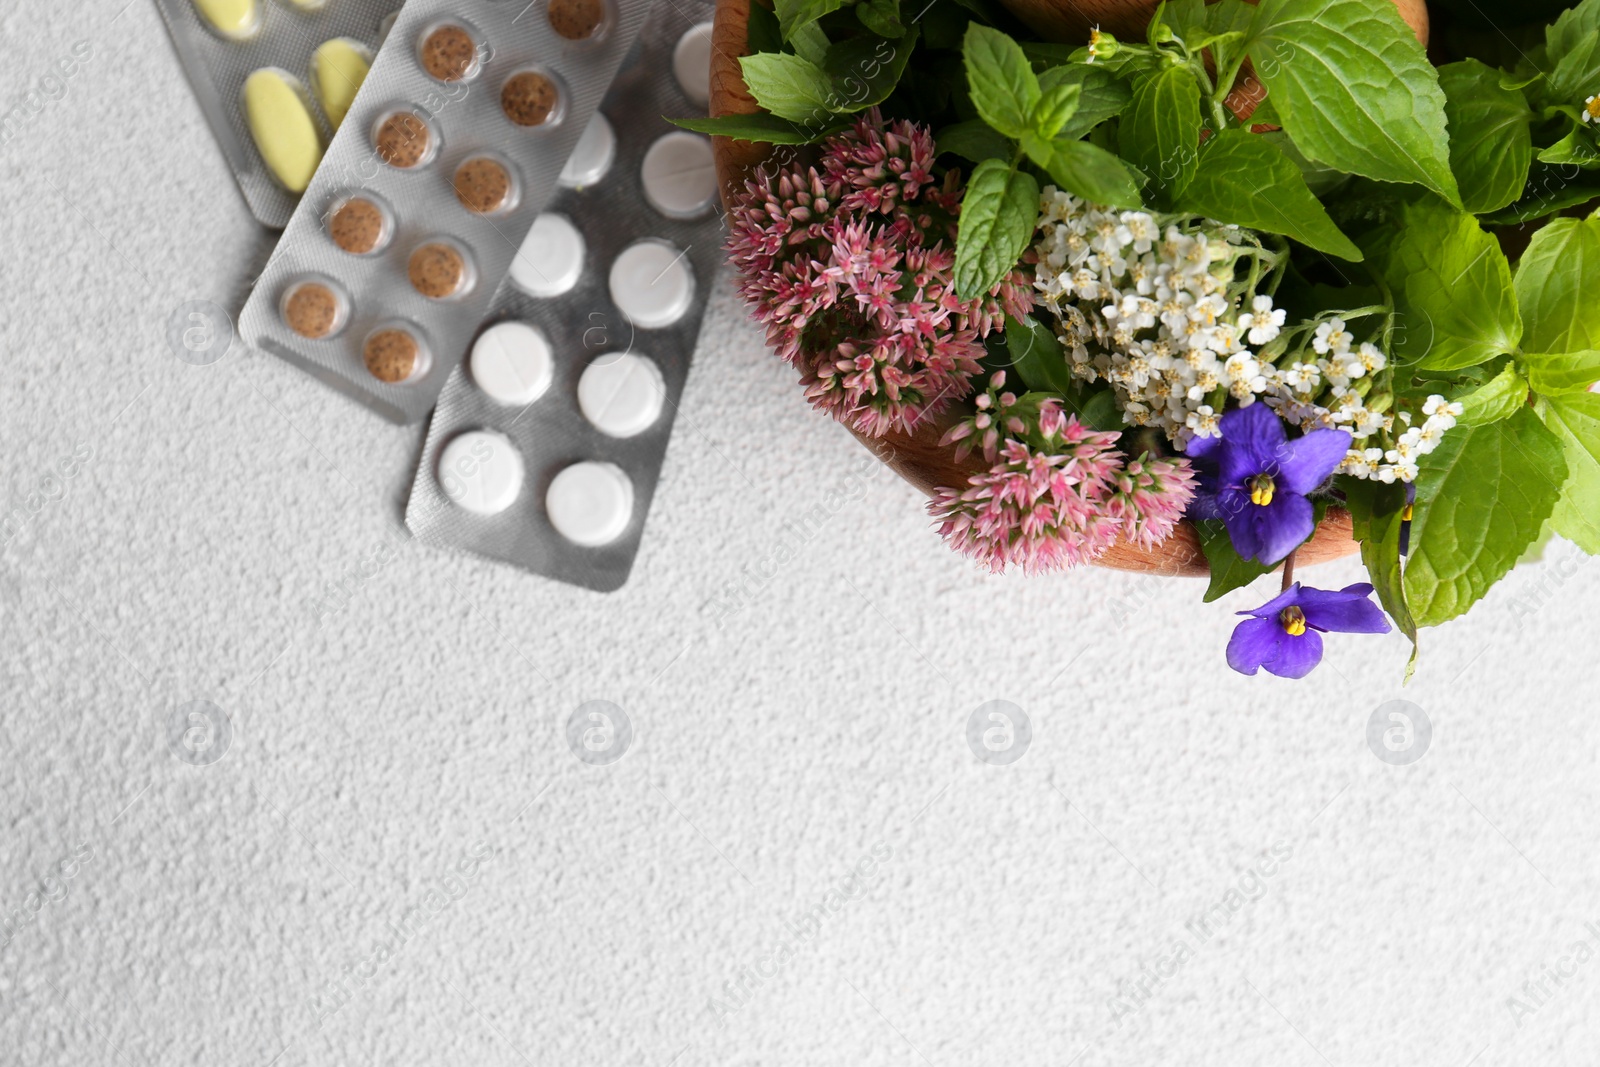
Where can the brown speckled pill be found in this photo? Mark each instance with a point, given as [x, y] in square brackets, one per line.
[357, 226]
[577, 20]
[437, 271]
[483, 185]
[403, 140]
[391, 355]
[528, 98]
[312, 310]
[449, 53]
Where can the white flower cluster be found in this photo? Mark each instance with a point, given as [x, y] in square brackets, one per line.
[1160, 316]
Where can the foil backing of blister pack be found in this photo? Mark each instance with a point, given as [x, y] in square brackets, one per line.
[286, 39]
[466, 120]
[552, 432]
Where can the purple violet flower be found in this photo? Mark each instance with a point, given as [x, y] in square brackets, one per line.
[1284, 635]
[1255, 480]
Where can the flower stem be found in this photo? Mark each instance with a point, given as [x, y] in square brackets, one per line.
[1288, 570]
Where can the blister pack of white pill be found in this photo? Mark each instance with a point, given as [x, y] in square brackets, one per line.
[454, 146]
[548, 442]
[275, 79]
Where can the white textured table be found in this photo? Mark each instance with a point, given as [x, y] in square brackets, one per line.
[803, 748]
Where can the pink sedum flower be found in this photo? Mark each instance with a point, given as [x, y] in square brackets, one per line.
[850, 266]
[1057, 494]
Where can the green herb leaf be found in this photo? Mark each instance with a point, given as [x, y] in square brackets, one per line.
[1056, 105]
[1244, 180]
[1037, 357]
[762, 30]
[997, 217]
[975, 140]
[1482, 497]
[882, 17]
[1452, 290]
[1490, 143]
[1555, 286]
[1228, 570]
[1004, 88]
[1550, 188]
[766, 129]
[1160, 130]
[788, 86]
[1498, 398]
[1572, 49]
[1576, 148]
[810, 42]
[864, 70]
[1576, 421]
[1377, 514]
[1552, 373]
[1354, 89]
[1102, 95]
[1085, 170]
[793, 14]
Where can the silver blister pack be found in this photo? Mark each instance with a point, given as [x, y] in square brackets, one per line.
[547, 444]
[452, 149]
[271, 35]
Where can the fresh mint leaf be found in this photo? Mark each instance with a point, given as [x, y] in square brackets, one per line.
[1102, 95]
[762, 32]
[1228, 570]
[864, 70]
[1085, 170]
[1555, 286]
[998, 213]
[1056, 105]
[1551, 373]
[1575, 420]
[1498, 398]
[1482, 497]
[1377, 514]
[1244, 180]
[765, 129]
[1550, 188]
[1037, 357]
[1160, 129]
[1572, 54]
[1354, 89]
[788, 86]
[1001, 80]
[1490, 143]
[1577, 148]
[1452, 290]
[1096, 407]
[882, 17]
[810, 42]
[793, 14]
[975, 140]
[1320, 180]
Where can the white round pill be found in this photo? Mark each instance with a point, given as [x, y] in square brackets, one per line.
[680, 177]
[550, 261]
[590, 503]
[652, 284]
[691, 63]
[622, 393]
[511, 361]
[593, 155]
[481, 471]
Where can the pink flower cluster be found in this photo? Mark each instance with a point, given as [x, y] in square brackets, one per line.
[1057, 493]
[850, 268]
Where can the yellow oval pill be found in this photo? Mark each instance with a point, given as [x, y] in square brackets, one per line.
[279, 114]
[338, 67]
[233, 19]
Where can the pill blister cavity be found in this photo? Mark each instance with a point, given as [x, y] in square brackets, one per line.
[236, 20]
[592, 156]
[550, 261]
[590, 503]
[691, 64]
[578, 20]
[481, 471]
[404, 139]
[278, 112]
[394, 354]
[652, 283]
[360, 224]
[338, 67]
[440, 269]
[314, 308]
[622, 393]
[485, 185]
[512, 363]
[532, 98]
[679, 175]
[448, 51]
